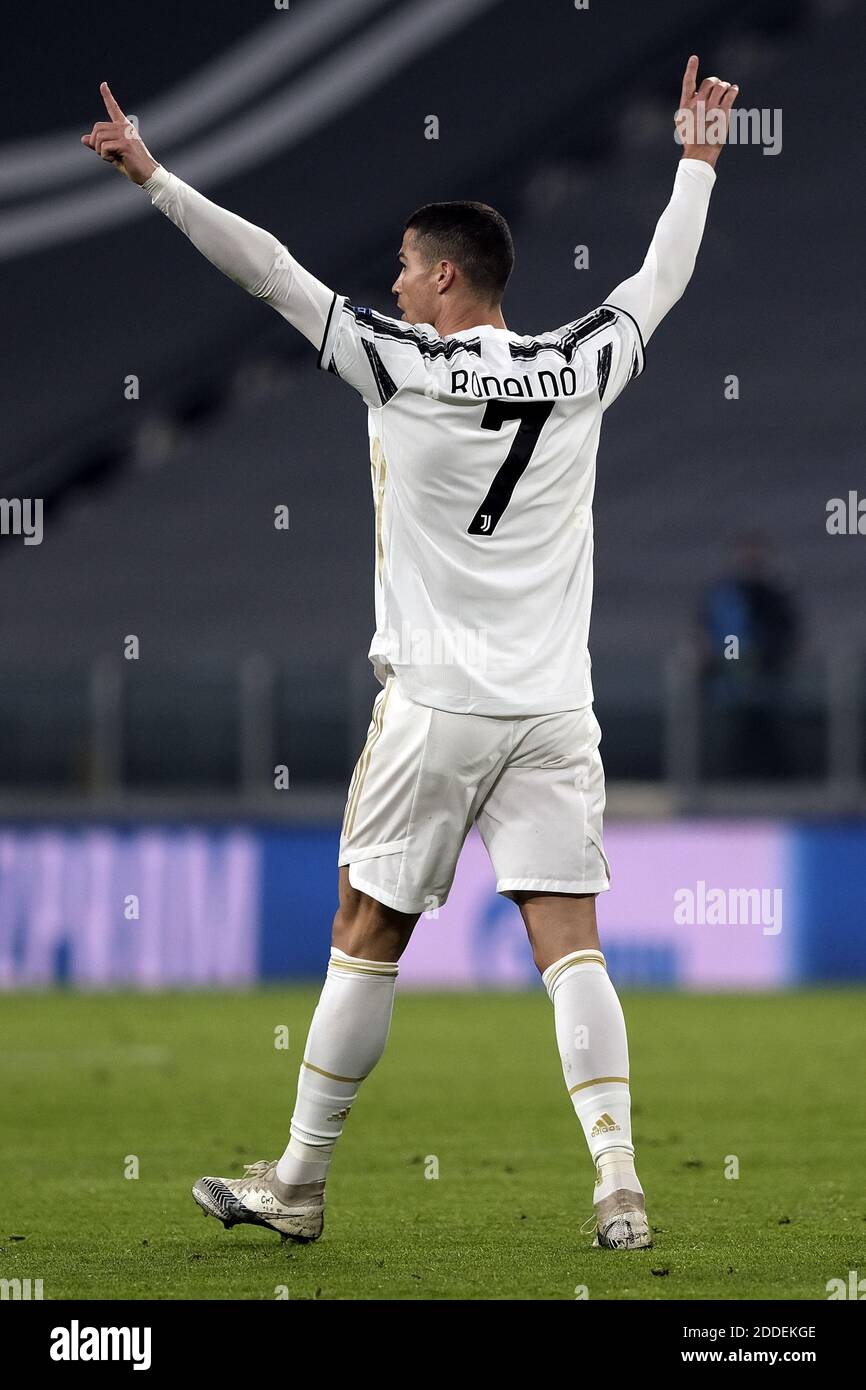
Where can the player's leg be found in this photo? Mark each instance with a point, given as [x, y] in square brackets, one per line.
[542, 826]
[365, 927]
[407, 814]
[409, 808]
[348, 1033]
[346, 1039]
[558, 924]
[593, 1048]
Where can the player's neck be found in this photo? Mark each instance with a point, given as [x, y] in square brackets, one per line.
[470, 316]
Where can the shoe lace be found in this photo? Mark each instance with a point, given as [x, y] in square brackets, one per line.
[259, 1168]
[588, 1225]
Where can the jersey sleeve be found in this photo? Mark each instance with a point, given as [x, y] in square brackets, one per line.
[247, 254]
[670, 260]
[609, 343]
[373, 353]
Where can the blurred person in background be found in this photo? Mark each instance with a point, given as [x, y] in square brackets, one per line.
[750, 629]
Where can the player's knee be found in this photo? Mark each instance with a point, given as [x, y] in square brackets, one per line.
[348, 927]
[363, 926]
[540, 957]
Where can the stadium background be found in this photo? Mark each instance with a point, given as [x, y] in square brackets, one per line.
[143, 844]
[158, 774]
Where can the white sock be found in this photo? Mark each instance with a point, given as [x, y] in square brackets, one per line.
[346, 1039]
[591, 1036]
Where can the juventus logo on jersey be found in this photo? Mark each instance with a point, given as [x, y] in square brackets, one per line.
[485, 522]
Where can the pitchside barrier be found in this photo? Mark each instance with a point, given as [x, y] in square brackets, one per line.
[694, 905]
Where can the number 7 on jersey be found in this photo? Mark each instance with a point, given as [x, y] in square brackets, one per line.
[532, 416]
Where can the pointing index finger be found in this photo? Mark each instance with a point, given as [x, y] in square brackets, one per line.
[689, 80]
[111, 105]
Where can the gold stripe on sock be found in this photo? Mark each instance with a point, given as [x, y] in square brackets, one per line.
[577, 958]
[597, 1081]
[331, 1075]
[361, 968]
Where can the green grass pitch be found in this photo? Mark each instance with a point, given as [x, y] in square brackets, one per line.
[193, 1083]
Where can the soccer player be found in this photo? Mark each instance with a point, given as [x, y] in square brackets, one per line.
[483, 446]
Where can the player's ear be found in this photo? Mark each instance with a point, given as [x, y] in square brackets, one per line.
[446, 276]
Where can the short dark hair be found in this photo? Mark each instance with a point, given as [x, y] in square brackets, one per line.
[472, 235]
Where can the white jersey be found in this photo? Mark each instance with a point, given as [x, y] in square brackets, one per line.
[483, 448]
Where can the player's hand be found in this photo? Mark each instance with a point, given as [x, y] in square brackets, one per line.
[117, 141]
[702, 118]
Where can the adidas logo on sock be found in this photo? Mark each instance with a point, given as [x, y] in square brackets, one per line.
[604, 1125]
[339, 1115]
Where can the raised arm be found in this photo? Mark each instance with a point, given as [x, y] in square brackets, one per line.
[250, 256]
[702, 121]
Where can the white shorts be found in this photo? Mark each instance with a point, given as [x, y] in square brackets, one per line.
[533, 785]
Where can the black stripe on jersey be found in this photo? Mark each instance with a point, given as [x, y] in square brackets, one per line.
[327, 329]
[567, 344]
[635, 363]
[384, 384]
[637, 331]
[402, 333]
[585, 328]
[603, 368]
